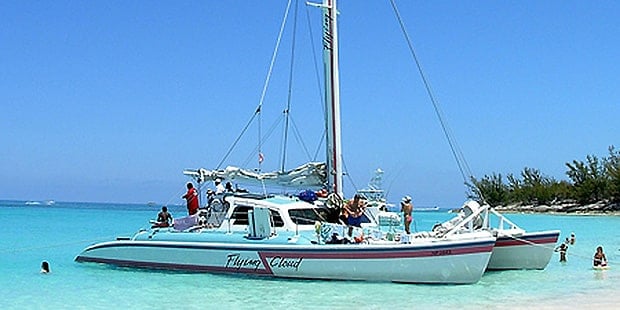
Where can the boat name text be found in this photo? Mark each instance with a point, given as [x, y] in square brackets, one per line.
[281, 262]
[236, 261]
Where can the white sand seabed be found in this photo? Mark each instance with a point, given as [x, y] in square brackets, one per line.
[606, 298]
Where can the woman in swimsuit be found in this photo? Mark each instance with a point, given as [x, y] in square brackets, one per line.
[407, 209]
[599, 257]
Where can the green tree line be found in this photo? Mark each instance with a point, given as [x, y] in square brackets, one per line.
[590, 181]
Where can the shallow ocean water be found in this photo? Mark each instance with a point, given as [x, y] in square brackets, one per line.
[57, 233]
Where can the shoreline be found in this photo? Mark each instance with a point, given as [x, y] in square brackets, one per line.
[563, 208]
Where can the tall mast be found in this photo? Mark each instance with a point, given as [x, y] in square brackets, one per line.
[332, 97]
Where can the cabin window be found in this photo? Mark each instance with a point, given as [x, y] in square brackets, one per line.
[240, 216]
[308, 216]
[276, 218]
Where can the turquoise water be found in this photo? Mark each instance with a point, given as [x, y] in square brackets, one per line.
[57, 233]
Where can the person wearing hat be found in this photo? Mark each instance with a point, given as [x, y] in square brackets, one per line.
[210, 196]
[407, 209]
[219, 188]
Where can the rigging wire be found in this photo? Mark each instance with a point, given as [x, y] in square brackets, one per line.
[269, 73]
[346, 172]
[232, 147]
[456, 153]
[264, 139]
[318, 148]
[258, 110]
[176, 195]
[299, 139]
[287, 111]
[389, 188]
[289, 121]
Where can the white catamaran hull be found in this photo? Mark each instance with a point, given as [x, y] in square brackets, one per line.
[455, 262]
[515, 248]
[532, 250]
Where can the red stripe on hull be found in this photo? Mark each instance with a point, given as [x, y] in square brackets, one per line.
[513, 242]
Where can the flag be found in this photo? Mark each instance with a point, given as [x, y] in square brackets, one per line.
[260, 158]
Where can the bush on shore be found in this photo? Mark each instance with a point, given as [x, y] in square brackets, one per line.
[591, 181]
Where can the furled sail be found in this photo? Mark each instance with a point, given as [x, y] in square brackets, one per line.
[312, 175]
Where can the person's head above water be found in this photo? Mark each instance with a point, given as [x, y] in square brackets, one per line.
[45, 267]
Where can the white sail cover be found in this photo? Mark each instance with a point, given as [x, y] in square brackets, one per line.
[311, 175]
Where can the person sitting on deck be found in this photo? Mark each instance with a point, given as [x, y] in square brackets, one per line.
[163, 218]
[599, 257]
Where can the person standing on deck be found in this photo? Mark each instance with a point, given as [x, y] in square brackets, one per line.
[407, 209]
[229, 188]
[219, 188]
[354, 209]
[192, 199]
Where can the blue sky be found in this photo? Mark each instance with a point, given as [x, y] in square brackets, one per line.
[109, 101]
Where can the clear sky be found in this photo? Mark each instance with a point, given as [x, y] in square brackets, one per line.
[108, 101]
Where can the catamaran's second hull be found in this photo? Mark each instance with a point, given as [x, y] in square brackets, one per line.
[530, 250]
[437, 261]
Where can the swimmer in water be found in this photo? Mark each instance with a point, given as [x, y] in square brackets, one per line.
[45, 267]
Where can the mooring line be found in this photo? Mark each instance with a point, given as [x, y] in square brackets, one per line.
[552, 248]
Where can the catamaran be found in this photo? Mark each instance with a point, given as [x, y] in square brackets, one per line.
[515, 247]
[289, 237]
